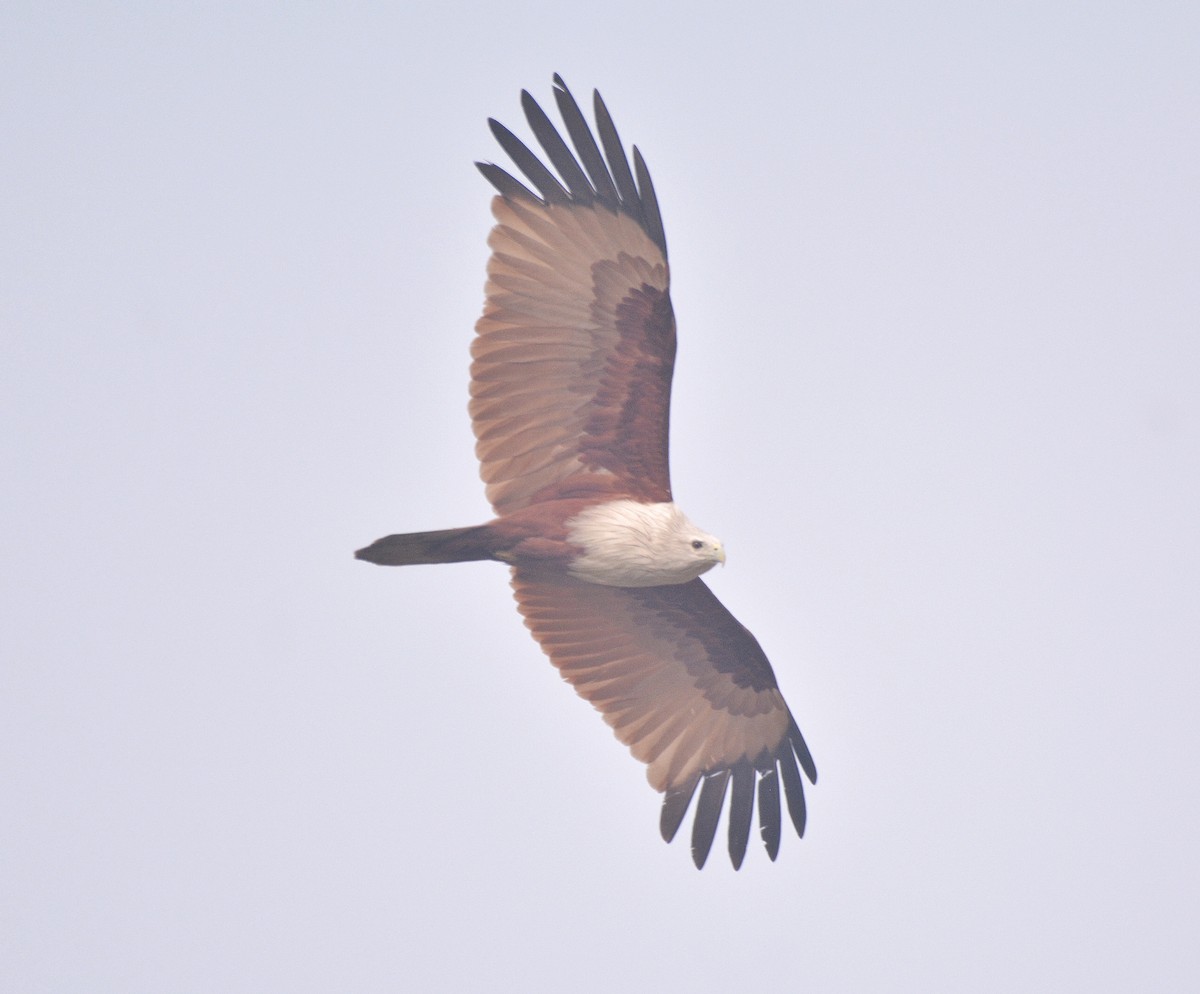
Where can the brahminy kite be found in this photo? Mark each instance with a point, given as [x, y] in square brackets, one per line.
[570, 390]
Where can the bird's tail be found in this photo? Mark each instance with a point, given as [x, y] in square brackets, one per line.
[453, 545]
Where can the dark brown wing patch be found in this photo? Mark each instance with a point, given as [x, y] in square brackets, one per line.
[628, 427]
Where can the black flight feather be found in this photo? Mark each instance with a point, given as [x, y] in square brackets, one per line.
[802, 753]
[617, 163]
[708, 811]
[551, 189]
[508, 187]
[651, 218]
[556, 149]
[585, 144]
[793, 790]
[768, 810]
[741, 811]
[595, 172]
[675, 805]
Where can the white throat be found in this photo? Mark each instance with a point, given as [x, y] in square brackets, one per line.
[629, 544]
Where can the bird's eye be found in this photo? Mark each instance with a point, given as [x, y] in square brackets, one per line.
[697, 544]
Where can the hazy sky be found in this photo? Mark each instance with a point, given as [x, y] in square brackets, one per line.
[936, 276]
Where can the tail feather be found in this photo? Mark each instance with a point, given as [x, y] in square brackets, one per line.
[452, 545]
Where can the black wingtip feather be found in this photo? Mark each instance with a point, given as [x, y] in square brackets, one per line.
[505, 185]
[778, 778]
[618, 164]
[578, 185]
[652, 218]
[550, 188]
[793, 790]
[596, 171]
[741, 812]
[768, 810]
[802, 753]
[585, 145]
[708, 812]
[674, 807]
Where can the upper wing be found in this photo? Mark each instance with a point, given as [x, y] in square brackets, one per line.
[687, 688]
[571, 379]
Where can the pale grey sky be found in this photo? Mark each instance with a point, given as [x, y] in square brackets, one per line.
[935, 270]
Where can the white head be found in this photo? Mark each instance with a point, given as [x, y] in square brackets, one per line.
[629, 544]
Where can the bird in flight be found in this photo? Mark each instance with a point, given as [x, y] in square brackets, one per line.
[570, 395]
